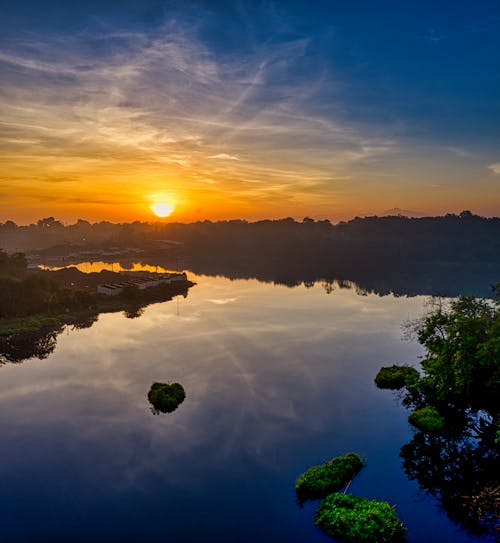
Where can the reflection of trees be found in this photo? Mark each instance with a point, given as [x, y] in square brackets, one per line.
[19, 347]
[133, 311]
[83, 323]
[327, 284]
[37, 343]
[461, 469]
[397, 277]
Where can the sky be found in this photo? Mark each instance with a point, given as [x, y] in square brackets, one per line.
[248, 109]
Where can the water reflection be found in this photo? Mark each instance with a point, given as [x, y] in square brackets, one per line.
[395, 277]
[97, 266]
[133, 312]
[462, 469]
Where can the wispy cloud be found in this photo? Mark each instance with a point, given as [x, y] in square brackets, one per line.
[164, 100]
[459, 151]
[495, 168]
[223, 301]
[224, 156]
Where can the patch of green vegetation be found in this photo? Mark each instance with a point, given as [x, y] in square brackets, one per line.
[359, 520]
[427, 419]
[319, 481]
[166, 397]
[396, 377]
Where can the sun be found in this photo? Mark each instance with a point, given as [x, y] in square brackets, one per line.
[162, 209]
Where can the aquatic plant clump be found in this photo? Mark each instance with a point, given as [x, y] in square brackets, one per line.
[319, 481]
[427, 419]
[359, 520]
[395, 377]
[166, 397]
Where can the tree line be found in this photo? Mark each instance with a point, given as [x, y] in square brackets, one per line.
[451, 236]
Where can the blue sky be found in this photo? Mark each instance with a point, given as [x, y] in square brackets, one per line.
[328, 109]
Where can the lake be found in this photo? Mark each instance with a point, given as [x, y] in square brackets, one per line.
[277, 379]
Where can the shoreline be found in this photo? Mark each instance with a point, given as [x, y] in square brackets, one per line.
[101, 304]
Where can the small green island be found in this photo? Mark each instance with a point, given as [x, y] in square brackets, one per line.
[319, 481]
[427, 419]
[395, 377]
[353, 519]
[166, 397]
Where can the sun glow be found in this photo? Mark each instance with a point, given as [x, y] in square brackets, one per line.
[162, 209]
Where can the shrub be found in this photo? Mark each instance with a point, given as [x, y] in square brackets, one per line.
[427, 419]
[359, 520]
[396, 377]
[319, 481]
[166, 397]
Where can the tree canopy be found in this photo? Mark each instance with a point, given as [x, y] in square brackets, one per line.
[462, 362]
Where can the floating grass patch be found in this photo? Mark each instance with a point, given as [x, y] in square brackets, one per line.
[166, 397]
[427, 419]
[395, 377]
[359, 520]
[319, 481]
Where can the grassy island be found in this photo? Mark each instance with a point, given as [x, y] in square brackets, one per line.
[395, 377]
[359, 520]
[319, 481]
[166, 397]
[427, 419]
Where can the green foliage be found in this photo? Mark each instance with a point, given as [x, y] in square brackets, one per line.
[462, 362]
[461, 366]
[396, 377]
[166, 397]
[359, 520]
[427, 419]
[318, 481]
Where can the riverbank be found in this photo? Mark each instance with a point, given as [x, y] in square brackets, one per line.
[98, 303]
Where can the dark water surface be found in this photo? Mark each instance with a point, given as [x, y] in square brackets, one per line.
[276, 380]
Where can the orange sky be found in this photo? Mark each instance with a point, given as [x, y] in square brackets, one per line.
[122, 184]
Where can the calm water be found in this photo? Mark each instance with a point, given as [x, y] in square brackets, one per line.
[277, 379]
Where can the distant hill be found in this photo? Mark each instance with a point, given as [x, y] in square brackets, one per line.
[396, 212]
